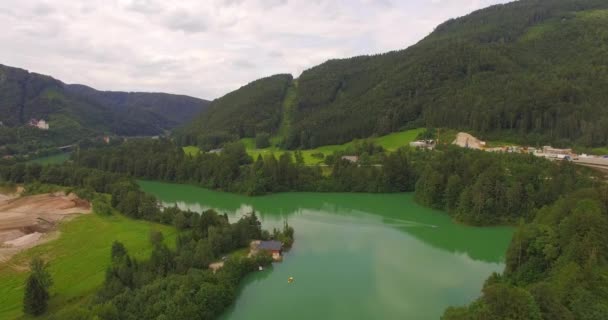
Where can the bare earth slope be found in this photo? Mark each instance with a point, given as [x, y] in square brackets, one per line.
[28, 221]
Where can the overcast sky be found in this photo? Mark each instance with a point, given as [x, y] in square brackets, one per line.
[206, 48]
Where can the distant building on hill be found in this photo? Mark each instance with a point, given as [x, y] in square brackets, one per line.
[423, 144]
[216, 151]
[353, 159]
[40, 124]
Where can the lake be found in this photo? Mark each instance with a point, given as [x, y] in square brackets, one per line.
[355, 256]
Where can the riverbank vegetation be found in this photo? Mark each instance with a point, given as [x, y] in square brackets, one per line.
[557, 265]
[201, 240]
[559, 243]
[474, 187]
[177, 284]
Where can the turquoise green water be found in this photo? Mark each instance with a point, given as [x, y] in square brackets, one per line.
[356, 256]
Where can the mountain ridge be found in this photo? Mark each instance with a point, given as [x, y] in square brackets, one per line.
[74, 112]
[528, 70]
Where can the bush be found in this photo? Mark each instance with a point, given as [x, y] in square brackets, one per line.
[102, 207]
[262, 141]
[318, 155]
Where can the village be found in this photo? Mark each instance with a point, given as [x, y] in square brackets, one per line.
[468, 141]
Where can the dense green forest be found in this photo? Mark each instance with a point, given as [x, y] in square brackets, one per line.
[253, 109]
[557, 266]
[532, 71]
[74, 112]
[486, 188]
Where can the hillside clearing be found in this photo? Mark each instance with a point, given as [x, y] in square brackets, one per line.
[390, 142]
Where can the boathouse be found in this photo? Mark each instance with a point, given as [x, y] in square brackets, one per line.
[273, 246]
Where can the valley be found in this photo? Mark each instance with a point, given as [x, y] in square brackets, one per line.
[460, 178]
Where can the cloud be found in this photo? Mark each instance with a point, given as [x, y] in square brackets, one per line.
[184, 21]
[246, 64]
[144, 6]
[42, 9]
[206, 48]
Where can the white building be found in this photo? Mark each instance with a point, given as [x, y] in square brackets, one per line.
[42, 125]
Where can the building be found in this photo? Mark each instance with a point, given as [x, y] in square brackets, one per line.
[274, 247]
[216, 151]
[40, 124]
[423, 144]
[353, 159]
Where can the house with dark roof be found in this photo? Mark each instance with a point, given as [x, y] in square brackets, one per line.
[273, 246]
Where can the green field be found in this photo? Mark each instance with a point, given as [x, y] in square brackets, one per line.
[192, 150]
[600, 151]
[390, 142]
[54, 159]
[78, 259]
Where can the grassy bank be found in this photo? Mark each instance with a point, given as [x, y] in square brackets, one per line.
[78, 259]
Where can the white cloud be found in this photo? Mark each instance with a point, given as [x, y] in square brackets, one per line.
[206, 48]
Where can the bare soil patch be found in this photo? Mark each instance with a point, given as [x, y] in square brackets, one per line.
[466, 140]
[31, 220]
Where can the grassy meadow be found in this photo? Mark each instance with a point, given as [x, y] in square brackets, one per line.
[390, 142]
[78, 259]
[54, 159]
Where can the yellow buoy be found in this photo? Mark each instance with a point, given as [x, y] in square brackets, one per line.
[290, 280]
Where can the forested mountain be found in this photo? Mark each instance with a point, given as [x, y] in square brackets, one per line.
[75, 111]
[173, 109]
[254, 108]
[534, 71]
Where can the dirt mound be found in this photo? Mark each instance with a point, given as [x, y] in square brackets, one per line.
[26, 221]
[466, 140]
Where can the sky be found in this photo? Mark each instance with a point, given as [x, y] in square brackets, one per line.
[206, 48]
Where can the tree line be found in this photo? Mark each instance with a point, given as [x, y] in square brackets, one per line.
[478, 188]
[481, 188]
[557, 266]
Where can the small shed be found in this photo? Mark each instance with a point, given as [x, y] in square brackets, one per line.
[275, 247]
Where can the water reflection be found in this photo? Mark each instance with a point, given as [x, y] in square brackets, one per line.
[395, 211]
[356, 256]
